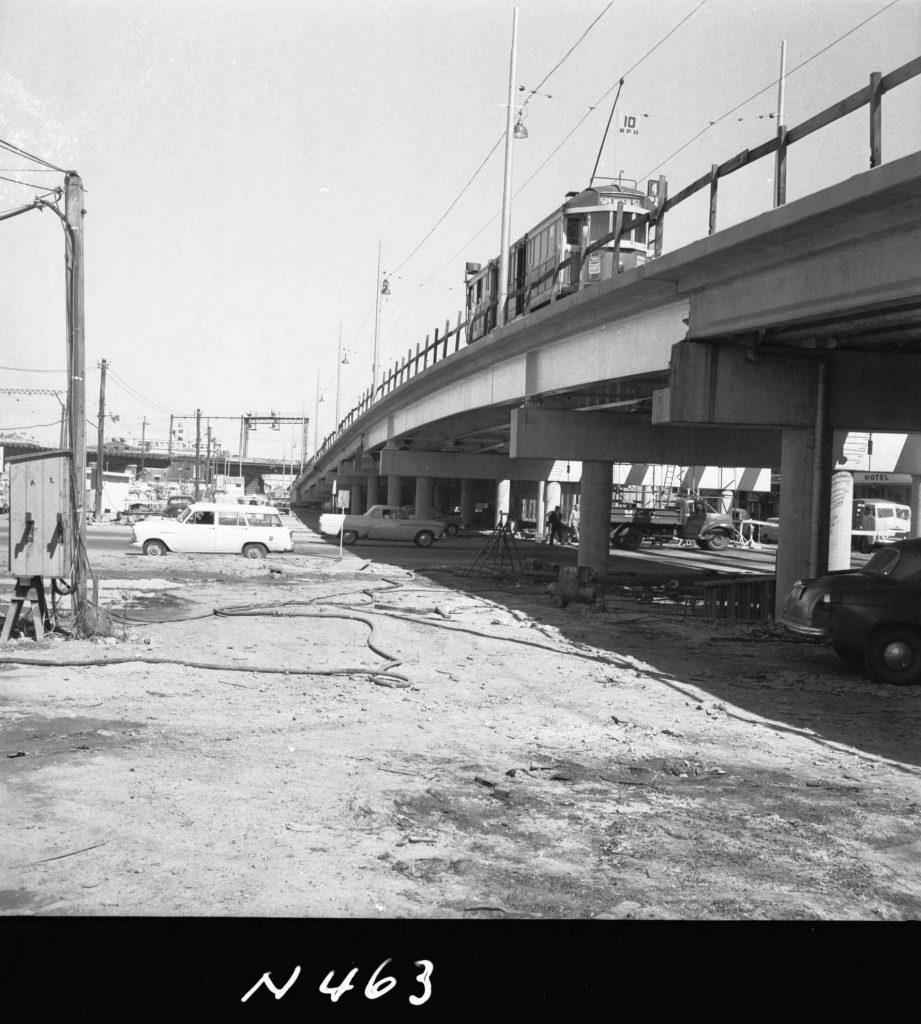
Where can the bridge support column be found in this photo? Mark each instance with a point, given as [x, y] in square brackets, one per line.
[423, 496]
[915, 501]
[503, 497]
[541, 510]
[373, 491]
[356, 498]
[394, 490]
[467, 504]
[595, 516]
[839, 531]
[803, 514]
[437, 498]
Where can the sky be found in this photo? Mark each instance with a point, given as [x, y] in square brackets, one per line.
[246, 160]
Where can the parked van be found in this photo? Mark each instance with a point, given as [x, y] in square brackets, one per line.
[878, 522]
[210, 528]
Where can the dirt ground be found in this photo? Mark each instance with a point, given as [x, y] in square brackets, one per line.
[309, 737]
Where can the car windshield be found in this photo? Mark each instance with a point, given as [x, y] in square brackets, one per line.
[184, 515]
[885, 562]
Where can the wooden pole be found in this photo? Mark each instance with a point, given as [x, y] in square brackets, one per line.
[100, 439]
[76, 386]
[780, 160]
[197, 451]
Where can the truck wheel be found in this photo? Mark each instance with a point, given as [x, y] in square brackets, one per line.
[718, 542]
[349, 537]
[632, 538]
[424, 539]
[894, 655]
[617, 536]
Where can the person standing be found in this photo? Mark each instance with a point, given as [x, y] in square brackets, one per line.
[574, 524]
[555, 522]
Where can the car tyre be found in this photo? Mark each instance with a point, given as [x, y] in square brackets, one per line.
[424, 539]
[349, 537]
[254, 550]
[893, 655]
[450, 530]
[154, 547]
[717, 542]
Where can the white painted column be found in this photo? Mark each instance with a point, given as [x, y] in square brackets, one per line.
[839, 534]
[503, 496]
[595, 516]
[915, 502]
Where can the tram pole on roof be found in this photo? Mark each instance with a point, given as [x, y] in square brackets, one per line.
[507, 186]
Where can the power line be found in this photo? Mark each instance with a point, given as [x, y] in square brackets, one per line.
[29, 156]
[771, 85]
[26, 369]
[134, 393]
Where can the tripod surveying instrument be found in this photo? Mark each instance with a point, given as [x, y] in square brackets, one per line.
[499, 551]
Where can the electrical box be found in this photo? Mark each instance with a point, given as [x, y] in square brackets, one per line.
[40, 515]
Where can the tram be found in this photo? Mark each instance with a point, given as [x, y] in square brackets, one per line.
[535, 277]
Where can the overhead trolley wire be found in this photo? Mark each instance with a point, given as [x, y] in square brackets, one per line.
[572, 132]
[771, 85]
[134, 393]
[501, 138]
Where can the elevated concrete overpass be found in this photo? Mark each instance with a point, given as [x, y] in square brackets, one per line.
[751, 347]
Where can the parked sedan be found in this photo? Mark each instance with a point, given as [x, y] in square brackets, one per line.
[873, 613]
[453, 522]
[381, 522]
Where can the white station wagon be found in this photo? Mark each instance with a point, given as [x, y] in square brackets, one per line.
[208, 528]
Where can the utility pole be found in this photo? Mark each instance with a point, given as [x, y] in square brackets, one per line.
[76, 387]
[197, 450]
[303, 442]
[143, 437]
[100, 438]
[208, 475]
[507, 187]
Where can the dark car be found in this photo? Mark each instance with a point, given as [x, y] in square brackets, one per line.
[872, 613]
[138, 510]
[176, 504]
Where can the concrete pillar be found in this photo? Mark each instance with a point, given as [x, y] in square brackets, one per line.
[595, 516]
[796, 507]
[355, 493]
[839, 534]
[423, 496]
[915, 501]
[437, 498]
[467, 504]
[394, 490]
[540, 529]
[373, 491]
[503, 496]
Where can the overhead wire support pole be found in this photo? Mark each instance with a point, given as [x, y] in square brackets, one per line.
[100, 440]
[507, 185]
[780, 158]
[377, 324]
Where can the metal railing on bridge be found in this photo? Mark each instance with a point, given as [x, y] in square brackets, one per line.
[450, 340]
